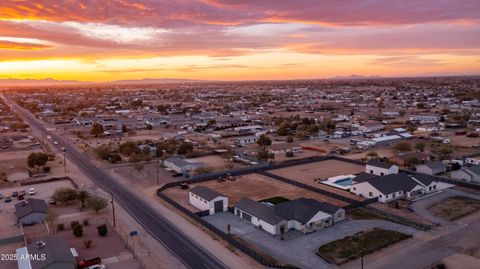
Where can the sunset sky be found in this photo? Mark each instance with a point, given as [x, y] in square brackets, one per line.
[104, 40]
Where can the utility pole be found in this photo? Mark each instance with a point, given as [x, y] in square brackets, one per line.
[362, 259]
[113, 211]
[156, 164]
[64, 159]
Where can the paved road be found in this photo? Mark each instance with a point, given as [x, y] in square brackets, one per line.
[421, 206]
[192, 255]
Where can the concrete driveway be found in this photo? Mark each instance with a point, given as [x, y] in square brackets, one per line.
[299, 249]
[421, 206]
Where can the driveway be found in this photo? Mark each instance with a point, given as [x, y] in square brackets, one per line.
[421, 206]
[299, 249]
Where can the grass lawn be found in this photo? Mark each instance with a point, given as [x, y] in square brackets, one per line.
[455, 207]
[276, 200]
[351, 247]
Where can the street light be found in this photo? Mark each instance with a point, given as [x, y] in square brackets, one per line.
[64, 159]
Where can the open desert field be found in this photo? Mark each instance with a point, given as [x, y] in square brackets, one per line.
[253, 186]
[307, 174]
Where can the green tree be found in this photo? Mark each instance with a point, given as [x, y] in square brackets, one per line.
[64, 195]
[372, 155]
[420, 146]
[283, 129]
[37, 159]
[128, 148]
[97, 129]
[184, 148]
[78, 230]
[83, 195]
[264, 141]
[97, 203]
[402, 147]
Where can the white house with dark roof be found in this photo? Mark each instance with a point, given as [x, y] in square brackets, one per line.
[205, 198]
[470, 174]
[380, 168]
[432, 168]
[395, 186]
[303, 215]
[181, 166]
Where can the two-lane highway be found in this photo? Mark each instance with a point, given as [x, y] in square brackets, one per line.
[192, 255]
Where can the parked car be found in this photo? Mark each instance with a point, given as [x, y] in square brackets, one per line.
[8, 199]
[49, 137]
[20, 197]
[97, 266]
[22, 193]
[32, 191]
[15, 194]
[55, 142]
[52, 201]
[86, 263]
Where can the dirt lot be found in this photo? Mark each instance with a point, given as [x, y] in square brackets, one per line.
[455, 207]
[253, 186]
[307, 173]
[216, 162]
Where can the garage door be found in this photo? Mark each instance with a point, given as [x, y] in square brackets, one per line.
[246, 216]
[218, 205]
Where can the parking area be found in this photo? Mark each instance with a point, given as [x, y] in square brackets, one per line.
[43, 191]
[299, 249]
[254, 186]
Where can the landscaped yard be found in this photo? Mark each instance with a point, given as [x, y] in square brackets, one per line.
[276, 200]
[455, 207]
[352, 247]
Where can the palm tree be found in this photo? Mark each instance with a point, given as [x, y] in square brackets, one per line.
[83, 195]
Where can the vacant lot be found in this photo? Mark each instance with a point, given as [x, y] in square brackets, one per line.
[455, 207]
[216, 162]
[362, 243]
[308, 173]
[253, 186]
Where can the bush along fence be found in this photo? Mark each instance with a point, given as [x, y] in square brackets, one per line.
[399, 219]
[262, 259]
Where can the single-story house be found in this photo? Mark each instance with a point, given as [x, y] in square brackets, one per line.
[205, 198]
[405, 158]
[49, 253]
[31, 211]
[392, 187]
[304, 215]
[282, 148]
[470, 174]
[386, 140]
[181, 166]
[432, 168]
[245, 140]
[380, 168]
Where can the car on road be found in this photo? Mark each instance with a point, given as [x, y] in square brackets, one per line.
[32, 191]
[87, 263]
[8, 199]
[97, 266]
[15, 194]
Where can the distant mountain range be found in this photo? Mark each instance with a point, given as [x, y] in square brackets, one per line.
[53, 82]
